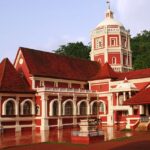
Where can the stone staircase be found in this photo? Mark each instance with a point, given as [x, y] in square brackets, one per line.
[143, 126]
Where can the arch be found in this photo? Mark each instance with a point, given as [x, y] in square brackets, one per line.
[53, 111]
[27, 107]
[114, 60]
[94, 107]
[13, 107]
[83, 107]
[68, 107]
[55, 108]
[102, 107]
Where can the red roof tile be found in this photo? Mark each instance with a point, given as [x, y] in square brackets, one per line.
[105, 72]
[52, 65]
[10, 80]
[136, 74]
[143, 97]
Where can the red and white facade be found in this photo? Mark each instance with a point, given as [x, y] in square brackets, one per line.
[111, 43]
[43, 90]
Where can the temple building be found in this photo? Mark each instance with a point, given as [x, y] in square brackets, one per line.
[42, 90]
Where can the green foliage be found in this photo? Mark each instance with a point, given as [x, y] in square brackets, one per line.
[77, 49]
[140, 46]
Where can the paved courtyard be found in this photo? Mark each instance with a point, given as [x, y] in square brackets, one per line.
[64, 135]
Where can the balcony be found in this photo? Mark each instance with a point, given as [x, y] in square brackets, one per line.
[65, 90]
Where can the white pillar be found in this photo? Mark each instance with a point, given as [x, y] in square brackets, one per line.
[17, 107]
[131, 110]
[88, 105]
[59, 105]
[129, 94]
[44, 120]
[124, 96]
[141, 109]
[110, 116]
[117, 100]
[74, 105]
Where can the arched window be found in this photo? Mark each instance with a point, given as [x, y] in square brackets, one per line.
[83, 108]
[101, 107]
[113, 60]
[120, 99]
[94, 109]
[10, 108]
[68, 108]
[27, 108]
[55, 108]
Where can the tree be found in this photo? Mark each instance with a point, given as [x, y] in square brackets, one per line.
[77, 49]
[140, 46]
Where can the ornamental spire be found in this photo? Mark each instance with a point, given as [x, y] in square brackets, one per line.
[108, 3]
[109, 13]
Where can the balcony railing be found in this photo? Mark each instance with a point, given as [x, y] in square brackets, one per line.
[67, 90]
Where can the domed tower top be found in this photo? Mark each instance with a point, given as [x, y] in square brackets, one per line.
[109, 18]
[111, 43]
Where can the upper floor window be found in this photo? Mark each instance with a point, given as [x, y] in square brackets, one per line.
[101, 107]
[113, 60]
[95, 110]
[69, 108]
[10, 108]
[55, 108]
[83, 108]
[27, 108]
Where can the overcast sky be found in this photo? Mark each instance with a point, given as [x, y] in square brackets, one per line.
[47, 24]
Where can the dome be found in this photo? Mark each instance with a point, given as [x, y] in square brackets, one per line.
[109, 20]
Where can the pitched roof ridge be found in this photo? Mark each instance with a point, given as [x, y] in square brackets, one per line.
[3, 65]
[59, 55]
[110, 71]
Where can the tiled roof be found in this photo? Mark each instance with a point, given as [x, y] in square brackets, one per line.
[143, 97]
[10, 80]
[46, 64]
[105, 72]
[136, 74]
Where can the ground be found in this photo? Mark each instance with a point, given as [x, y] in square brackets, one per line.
[138, 141]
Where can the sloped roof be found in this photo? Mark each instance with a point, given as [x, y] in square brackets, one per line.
[46, 64]
[143, 97]
[135, 74]
[105, 72]
[10, 80]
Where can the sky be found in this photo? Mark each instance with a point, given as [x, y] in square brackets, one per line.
[47, 24]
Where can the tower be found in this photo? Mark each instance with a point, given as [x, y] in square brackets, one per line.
[111, 43]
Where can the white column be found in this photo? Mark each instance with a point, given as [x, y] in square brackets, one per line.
[44, 120]
[129, 94]
[117, 100]
[74, 110]
[88, 105]
[141, 109]
[110, 117]
[18, 128]
[131, 110]
[74, 106]
[59, 121]
[59, 105]
[33, 83]
[124, 96]
[17, 107]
